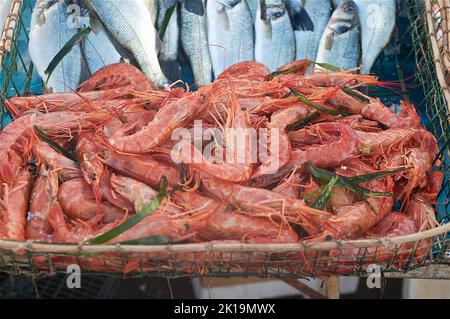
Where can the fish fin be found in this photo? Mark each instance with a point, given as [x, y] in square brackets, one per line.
[95, 23]
[301, 20]
[224, 19]
[262, 6]
[171, 68]
[195, 6]
[41, 18]
[329, 41]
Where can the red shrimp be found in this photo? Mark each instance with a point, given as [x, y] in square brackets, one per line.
[66, 231]
[419, 208]
[328, 155]
[238, 164]
[223, 225]
[325, 79]
[393, 225]
[15, 141]
[246, 70]
[290, 186]
[115, 76]
[351, 222]
[178, 218]
[144, 168]
[371, 142]
[76, 191]
[14, 205]
[265, 203]
[96, 173]
[65, 168]
[341, 148]
[173, 115]
[43, 197]
[381, 113]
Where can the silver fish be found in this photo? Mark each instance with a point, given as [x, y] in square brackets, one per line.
[152, 6]
[340, 44]
[307, 38]
[194, 39]
[49, 32]
[98, 49]
[230, 33]
[127, 22]
[274, 34]
[378, 19]
[168, 56]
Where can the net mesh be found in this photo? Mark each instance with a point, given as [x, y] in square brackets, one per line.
[408, 60]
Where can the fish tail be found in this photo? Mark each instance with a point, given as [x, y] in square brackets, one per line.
[302, 21]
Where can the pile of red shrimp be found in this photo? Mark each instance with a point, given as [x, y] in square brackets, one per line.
[76, 165]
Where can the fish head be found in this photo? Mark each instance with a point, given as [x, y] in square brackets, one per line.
[349, 8]
[272, 12]
[345, 17]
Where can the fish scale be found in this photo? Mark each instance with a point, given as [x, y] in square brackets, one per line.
[194, 40]
[230, 33]
[98, 49]
[130, 25]
[49, 32]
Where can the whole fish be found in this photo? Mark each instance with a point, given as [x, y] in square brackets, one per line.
[128, 23]
[340, 44]
[168, 56]
[378, 19]
[49, 32]
[274, 34]
[230, 33]
[307, 39]
[152, 6]
[98, 49]
[194, 39]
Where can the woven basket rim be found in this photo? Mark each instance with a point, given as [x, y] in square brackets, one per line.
[31, 246]
[37, 247]
[436, 48]
[7, 33]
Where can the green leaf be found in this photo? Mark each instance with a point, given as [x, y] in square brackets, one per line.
[351, 183]
[149, 241]
[322, 109]
[355, 95]
[65, 50]
[303, 122]
[166, 20]
[296, 68]
[53, 144]
[134, 220]
[325, 195]
[373, 176]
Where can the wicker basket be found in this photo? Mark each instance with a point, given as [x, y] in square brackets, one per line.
[264, 260]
